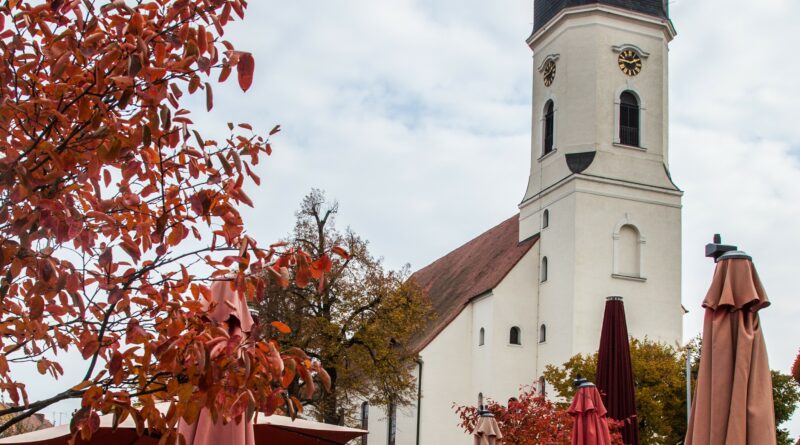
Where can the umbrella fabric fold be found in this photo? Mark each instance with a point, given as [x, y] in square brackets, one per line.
[589, 425]
[615, 371]
[487, 431]
[733, 398]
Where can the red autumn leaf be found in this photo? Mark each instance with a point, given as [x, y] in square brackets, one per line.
[324, 263]
[281, 327]
[104, 157]
[209, 97]
[36, 306]
[341, 252]
[244, 70]
[302, 276]
[89, 348]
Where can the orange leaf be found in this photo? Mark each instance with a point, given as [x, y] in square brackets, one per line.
[245, 69]
[281, 327]
[42, 366]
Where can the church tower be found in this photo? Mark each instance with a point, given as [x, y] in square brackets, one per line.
[600, 194]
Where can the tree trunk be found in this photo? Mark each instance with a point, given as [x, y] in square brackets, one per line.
[329, 403]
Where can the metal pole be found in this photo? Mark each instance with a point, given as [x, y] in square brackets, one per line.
[688, 385]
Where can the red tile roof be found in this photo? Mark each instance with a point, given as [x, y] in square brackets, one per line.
[467, 272]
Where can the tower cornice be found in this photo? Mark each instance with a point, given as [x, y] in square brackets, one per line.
[538, 34]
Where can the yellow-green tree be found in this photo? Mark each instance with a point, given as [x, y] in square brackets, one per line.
[357, 318]
[659, 373]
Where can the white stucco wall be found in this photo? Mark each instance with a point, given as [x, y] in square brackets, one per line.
[456, 368]
[515, 304]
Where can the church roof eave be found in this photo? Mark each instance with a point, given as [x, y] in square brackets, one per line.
[468, 272]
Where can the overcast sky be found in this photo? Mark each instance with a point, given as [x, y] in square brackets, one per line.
[415, 116]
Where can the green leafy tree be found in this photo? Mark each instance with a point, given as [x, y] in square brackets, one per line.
[786, 396]
[357, 318]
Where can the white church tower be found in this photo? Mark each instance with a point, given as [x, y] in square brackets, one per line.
[600, 217]
[600, 194]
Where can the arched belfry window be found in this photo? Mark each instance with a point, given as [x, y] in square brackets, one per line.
[628, 250]
[481, 337]
[514, 337]
[544, 270]
[629, 119]
[545, 218]
[542, 333]
[549, 127]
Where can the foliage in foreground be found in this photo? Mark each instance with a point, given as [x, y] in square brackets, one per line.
[109, 195]
[356, 319]
[530, 419]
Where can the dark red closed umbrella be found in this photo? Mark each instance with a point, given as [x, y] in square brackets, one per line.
[589, 425]
[615, 372]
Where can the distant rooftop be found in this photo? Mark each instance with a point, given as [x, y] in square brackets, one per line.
[545, 10]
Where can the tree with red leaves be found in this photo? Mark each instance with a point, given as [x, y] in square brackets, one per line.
[529, 419]
[115, 214]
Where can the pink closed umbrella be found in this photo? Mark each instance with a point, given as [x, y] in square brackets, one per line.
[229, 307]
[733, 400]
[590, 426]
[487, 431]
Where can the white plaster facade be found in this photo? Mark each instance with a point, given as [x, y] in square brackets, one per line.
[614, 229]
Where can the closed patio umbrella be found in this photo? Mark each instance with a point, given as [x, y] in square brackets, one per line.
[733, 397]
[487, 431]
[589, 425]
[615, 372]
[229, 308]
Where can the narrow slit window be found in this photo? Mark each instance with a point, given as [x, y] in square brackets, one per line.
[544, 270]
[545, 219]
[481, 337]
[542, 334]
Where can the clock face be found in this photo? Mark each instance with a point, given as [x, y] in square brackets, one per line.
[549, 73]
[629, 62]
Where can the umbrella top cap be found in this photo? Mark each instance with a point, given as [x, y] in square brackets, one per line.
[719, 251]
[734, 255]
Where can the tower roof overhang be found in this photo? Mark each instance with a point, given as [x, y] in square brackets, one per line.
[599, 8]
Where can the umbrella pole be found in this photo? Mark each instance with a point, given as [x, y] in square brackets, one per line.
[688, 385]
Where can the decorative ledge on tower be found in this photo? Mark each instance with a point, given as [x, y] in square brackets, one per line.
[546, 10]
